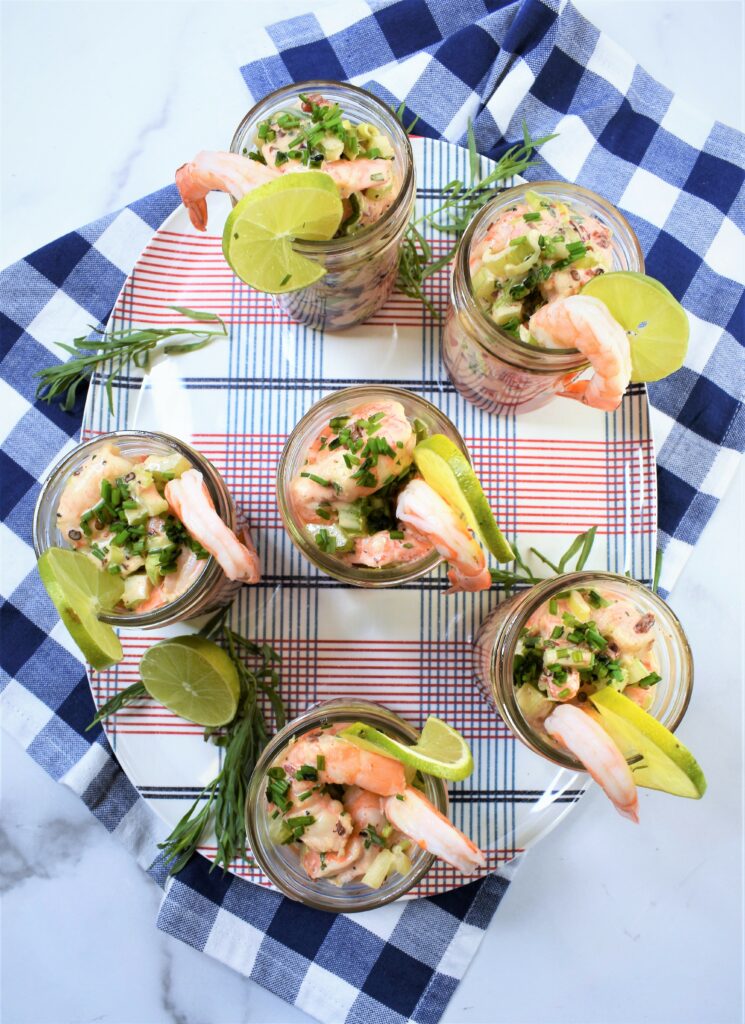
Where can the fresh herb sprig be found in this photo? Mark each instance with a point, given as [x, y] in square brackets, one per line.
[460, 204]
[120, 700]
[580, 548]
[113, 350]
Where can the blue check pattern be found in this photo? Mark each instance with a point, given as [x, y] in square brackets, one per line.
[679, 180]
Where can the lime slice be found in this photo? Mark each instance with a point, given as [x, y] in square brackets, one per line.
[657, 759]
[80, 591]
[193, 678]
[440, 750]
[447, 471]
[656, 323]
[258, 235]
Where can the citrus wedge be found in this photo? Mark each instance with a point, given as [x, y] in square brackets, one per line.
[193, 678]
[80, 591]
[259, 232]
[440, 749]
[657, 759]
[447, 471]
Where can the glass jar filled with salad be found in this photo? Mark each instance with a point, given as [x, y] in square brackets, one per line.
[155, 513]
[352, 499]
[530, 246]
[340, 825]
[351, 135]
[592, 670]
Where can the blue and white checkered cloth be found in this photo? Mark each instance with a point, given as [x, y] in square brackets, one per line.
[677, 176]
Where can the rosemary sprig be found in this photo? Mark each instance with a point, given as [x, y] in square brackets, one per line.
[460, 204]
[118, 348]
[120, 700]
[580, 547]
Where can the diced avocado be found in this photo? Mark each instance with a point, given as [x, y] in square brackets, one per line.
[115, 556]
[351, 519]
[143, 479]
[130, 564]
[483, 283]
[533, 704]
[500, 314]
[635, 670]
[169, 467]
[569, 657]
[330, 538]
[135, 516]
[579, 608]
[152, 568]
[136, 590]
[157, 541]
[154, 503]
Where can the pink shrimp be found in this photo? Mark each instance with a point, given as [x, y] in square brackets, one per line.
[423, 508]
[582, 322]
[591, 744]
[188, 567]
[83, 490]
[346, 764]
[380, 548]
[411, 813]
[190, 501]
[238, 175]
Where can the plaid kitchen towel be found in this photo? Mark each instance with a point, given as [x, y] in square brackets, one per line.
[679, 179]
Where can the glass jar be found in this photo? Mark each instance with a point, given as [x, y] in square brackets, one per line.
[361, 269]
[292, 460]
[281, 863]
[210, 590]
[490, 367]
[495, 642]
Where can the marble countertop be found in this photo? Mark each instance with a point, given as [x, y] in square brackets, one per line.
[605, 922]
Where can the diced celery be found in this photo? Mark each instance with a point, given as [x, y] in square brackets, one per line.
[501, 313]
[152, 568]
[130, 564]
[401, 863]
[136, 590]
[340, 543]
[135, 516]
[569, 657]
[377, 873]
[635, 670]
[579, 608]
[483, 283]
[279, 831]
[172, 466]
[153, 502]
[533, 199]
[534, 706]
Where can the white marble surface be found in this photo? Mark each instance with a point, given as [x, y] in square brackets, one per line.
[606, 923]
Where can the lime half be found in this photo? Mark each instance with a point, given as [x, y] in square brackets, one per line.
[447, 471]
[80, 591]
[193, 678]
[439, 751]
[657, 759]
[655, 322]
[258, 235]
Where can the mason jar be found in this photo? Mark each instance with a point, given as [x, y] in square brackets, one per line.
[361, 269]
[210, 590]
[293, 458]
[282, 864]
[487, 365]
[496, 640]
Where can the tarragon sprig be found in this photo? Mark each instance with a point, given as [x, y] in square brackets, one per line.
[118, 348]
[580, 548]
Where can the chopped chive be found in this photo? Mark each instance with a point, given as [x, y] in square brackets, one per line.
[556, 632]
[553, 606]
[396, 534]
[317, 479]
[531, 216]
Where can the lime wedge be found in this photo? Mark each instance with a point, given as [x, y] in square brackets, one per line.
[80, 591]
[193, 678]
[258, 235]
[447, 471]
[657, 759]
[440, 750]
[656, 323]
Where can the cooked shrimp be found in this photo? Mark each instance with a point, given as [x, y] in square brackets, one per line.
[424, 509]
[392, 426]
[334, 863]
[643, 696]
[420, 820]
[237, 175]
[561, 691]
[630, 631]
[190, 501]
[365, 808]
[346, 764]
[583, 322]
[188, 567]
[83, 490]
[381, 549]
[591, 744]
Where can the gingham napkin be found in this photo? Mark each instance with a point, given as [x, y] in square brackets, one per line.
[679, 179]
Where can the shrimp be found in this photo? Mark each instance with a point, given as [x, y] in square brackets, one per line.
[238, 175]
[380, 548]
[580, 321]
[421, 507]
[340, 478]
[188, 567]
[346, 764]
[190, 501]
[411, 813]
[348, 859]
[630, 631]
[365, 808]
[643, 696]
[592, 745]
[83, 490]
[567, 690]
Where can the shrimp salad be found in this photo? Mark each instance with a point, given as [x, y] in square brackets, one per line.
[151, 521]
[581, 641]
[351, 814]
[360, 499]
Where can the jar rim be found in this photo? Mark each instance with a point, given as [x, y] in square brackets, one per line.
[355, 575]
[492, 331]
[339, 246]
[209, 576]
[337, 709]
[503, 652]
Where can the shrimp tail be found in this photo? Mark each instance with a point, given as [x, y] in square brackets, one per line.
[413, 814]
[195, 203]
